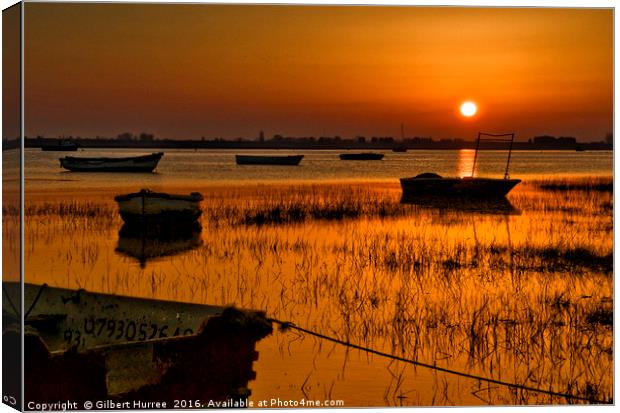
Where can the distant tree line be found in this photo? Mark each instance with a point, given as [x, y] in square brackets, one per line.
[144, 139]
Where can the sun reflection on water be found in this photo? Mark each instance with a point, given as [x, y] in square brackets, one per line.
[465, 163]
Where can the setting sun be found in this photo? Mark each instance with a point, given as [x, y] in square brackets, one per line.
[412, 204]
[469, 109]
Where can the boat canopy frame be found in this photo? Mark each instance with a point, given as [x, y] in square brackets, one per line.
[490, 137]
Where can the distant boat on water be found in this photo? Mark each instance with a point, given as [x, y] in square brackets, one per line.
[268, 159]
[399, 149]
[62, 146]
[363, 156]
[147, 206]
[433, 185]
[146, 163]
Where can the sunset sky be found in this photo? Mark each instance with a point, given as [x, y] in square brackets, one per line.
[186, 71]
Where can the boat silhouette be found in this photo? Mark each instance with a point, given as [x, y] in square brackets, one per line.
[147, 242]
[145, 207]
[431, 184]
[362, 156]
[145, 163]
[290, 160]
[65, 145]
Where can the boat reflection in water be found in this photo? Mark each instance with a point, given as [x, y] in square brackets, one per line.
[491, 206]
[158, 224]
[147, 242]
[85, 346]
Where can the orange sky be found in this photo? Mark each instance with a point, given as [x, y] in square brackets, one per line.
[186, 71]
[11, 72]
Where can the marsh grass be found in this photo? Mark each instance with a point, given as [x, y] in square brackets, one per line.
[599, 184]
[526, 298]
[71, 209]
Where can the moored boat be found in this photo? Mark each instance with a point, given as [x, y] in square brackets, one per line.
[268, 159]
[363, 156]
[145, 163]
[62, 146]
[399, 149]
[434, 185]
[88, 346]
[145, 205]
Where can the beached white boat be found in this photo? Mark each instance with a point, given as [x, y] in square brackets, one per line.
[146, 163]
[147, 205]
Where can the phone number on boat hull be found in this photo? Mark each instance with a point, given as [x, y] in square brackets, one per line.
[121, 330]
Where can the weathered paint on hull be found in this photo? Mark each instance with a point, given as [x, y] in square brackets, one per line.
[85, 346]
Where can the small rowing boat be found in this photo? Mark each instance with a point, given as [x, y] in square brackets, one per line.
[291, 160]
[146, 163]
[145, 205]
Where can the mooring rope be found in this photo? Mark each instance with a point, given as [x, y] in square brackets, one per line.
[8, 298]
[36, 300]
[289, 325]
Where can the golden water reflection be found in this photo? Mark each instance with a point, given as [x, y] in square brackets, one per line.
[465, 163]
[508, 296]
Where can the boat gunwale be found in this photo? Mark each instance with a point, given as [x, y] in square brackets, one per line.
[192, 197]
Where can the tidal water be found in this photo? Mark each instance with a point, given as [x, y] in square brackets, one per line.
[184, 168]
[417, 283]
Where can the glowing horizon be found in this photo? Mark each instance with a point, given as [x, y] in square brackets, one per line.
[188, 71]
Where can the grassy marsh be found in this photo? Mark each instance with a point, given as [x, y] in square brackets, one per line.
[525, 297]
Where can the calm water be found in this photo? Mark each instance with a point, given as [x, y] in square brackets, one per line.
[354, 278]
[182, 168]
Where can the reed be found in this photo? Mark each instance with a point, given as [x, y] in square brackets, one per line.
[598, 183]
[526, 295]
